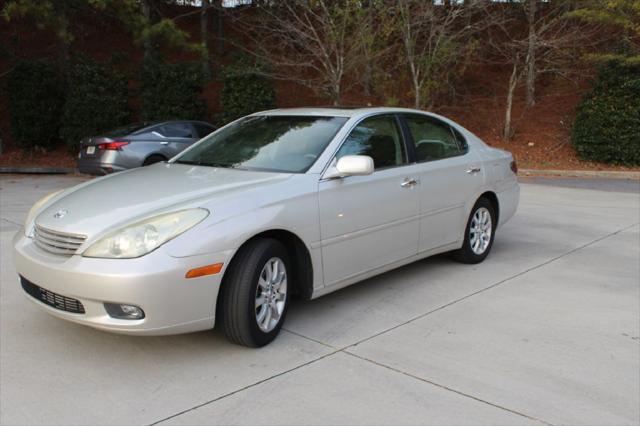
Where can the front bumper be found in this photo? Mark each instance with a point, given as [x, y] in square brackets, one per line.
[155, 282]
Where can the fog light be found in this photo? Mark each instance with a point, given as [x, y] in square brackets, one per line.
[130, 312]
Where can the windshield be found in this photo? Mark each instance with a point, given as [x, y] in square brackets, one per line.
[277, 143]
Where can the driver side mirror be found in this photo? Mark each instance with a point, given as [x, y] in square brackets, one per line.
[351, 165]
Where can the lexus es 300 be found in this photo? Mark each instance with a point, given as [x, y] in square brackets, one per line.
[292, 201]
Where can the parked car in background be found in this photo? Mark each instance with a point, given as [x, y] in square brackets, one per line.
[303, 201]
[138, 144]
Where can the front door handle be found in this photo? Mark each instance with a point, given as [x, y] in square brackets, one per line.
[408, 183]
[164, 143]
[473, 170]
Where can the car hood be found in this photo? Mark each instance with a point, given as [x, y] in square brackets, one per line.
[115, 200]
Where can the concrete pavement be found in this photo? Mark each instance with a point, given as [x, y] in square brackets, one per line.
[545, 331]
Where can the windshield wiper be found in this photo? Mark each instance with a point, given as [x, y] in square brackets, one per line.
[224, 166]
[192, 163]
[201, 163]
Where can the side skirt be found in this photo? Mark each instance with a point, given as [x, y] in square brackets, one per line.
[377, 271]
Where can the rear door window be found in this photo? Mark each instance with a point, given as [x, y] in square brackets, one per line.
[175, 130]
[433, 139]
[203, 129]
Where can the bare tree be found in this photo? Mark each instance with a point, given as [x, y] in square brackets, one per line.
[204, 34]
[146, 7]
[516, 74]
[314, 42]
[552, 38]
[550, 43]
[531, 6]
[434, 39]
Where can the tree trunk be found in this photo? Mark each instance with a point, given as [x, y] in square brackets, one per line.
[146, 12]
[63, 42]
[204, 35]
[367, 78]
[417, 99]
[335, 95]
[219, 29]
[513, 81]
[531, 53]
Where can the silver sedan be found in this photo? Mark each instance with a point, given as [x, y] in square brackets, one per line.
[299, 201]
[136, 145]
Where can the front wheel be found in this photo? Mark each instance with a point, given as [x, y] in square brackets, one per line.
[479, 233]
[255, 293]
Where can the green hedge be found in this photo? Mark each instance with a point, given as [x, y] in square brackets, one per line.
[35, 96]
[172, 91]
[245, 93]
[607, 125]
[97, 101]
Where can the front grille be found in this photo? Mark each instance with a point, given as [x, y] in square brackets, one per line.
[57, 242]
[52, 299]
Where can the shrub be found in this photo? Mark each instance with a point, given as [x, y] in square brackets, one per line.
[245, 93]
[35, 95]
[172, 91]
[96, 101]
[607, 125]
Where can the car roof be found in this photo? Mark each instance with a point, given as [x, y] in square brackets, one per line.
[336, 111]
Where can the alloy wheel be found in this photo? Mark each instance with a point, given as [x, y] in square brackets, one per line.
[271, 294]
[480, 230]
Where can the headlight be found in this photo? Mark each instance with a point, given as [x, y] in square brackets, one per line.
[143, 237]
[36, 209]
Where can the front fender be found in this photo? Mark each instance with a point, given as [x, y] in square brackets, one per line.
[298, 216]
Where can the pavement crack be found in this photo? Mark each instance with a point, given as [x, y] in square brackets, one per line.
[494, 285]
[319, 342]
[345, 348]
[11, 222]
[447, 388]
[259, 382]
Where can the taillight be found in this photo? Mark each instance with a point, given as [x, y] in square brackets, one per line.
[514, 167]
[112, 146]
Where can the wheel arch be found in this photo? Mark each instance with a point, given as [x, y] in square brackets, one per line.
[154, 154]
[493, 199]
[298, 253]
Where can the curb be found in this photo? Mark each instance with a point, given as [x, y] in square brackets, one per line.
[602, 174]
[38, 170]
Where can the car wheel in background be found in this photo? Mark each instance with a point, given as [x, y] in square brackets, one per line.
[152, 159]
[255, 293]
[479, 233]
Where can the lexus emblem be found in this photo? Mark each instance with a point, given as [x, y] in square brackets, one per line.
[60, 213]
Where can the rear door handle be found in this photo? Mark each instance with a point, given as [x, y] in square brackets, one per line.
[164, 143]
[408, 183]
[473, 170]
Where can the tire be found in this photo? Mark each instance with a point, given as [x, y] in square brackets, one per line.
[475, 251]
[152, 159]
[238, 307]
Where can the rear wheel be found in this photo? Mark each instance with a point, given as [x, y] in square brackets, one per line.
[152, 159]
[479, 233]
[255, 293]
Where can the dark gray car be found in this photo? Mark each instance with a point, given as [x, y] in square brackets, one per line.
[138, 145]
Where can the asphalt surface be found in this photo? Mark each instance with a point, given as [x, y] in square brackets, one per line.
[545, 331]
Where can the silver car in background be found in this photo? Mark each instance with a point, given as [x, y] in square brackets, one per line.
[139, 144]
[295, 201]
